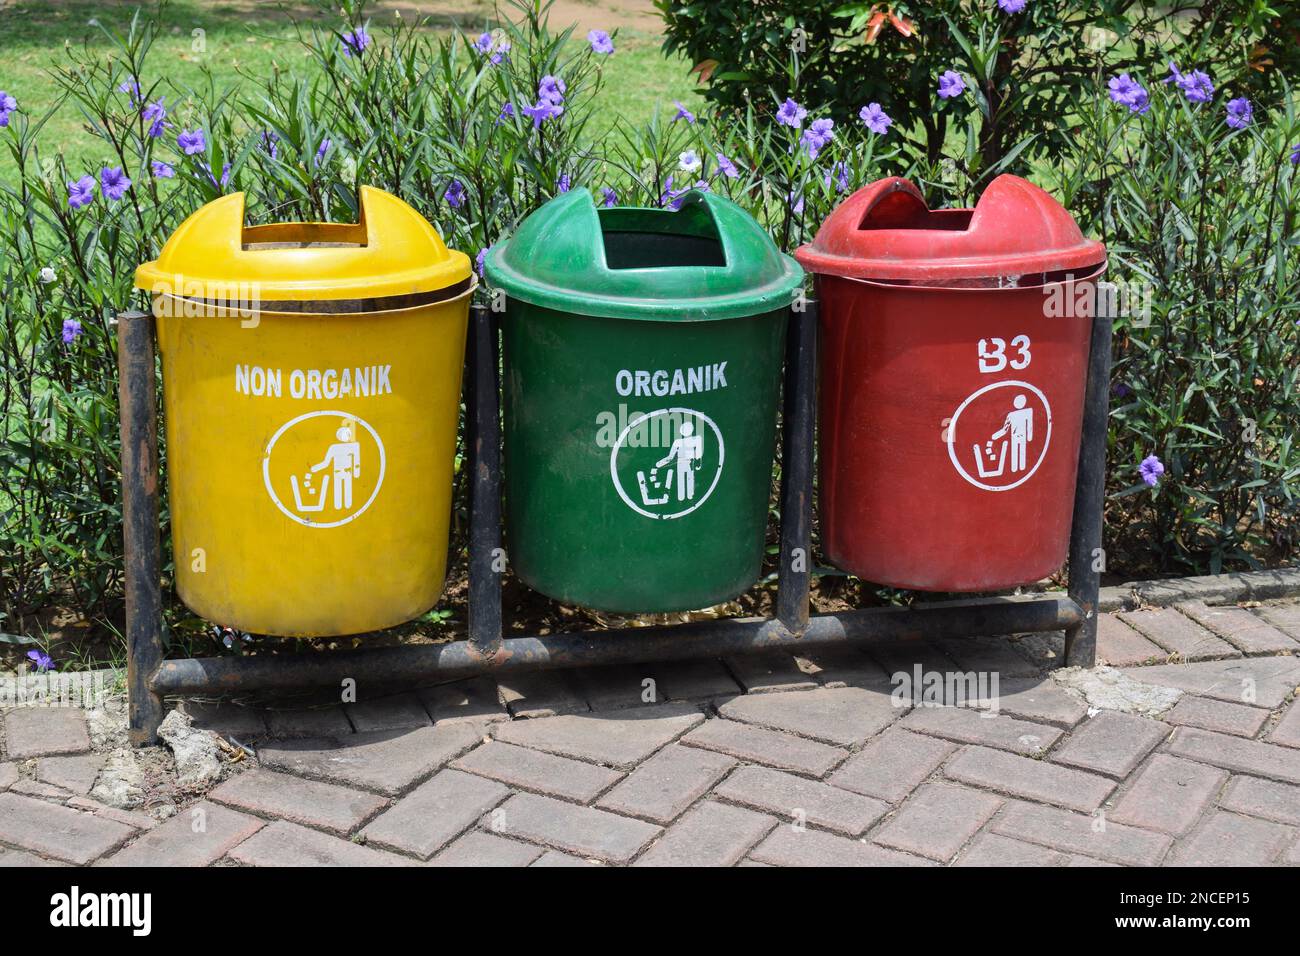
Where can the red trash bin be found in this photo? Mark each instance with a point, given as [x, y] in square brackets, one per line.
[953, 360]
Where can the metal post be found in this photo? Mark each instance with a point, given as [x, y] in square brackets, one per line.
[139, 417]
[800, 394]
[483, 418]
[1090, 492]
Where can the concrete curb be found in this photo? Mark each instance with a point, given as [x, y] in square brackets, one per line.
[1210, 588]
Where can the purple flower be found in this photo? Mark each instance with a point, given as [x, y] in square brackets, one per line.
[271, 143]
[796, 202]
[356, 41]
[1196, 86]
[818, 136]
[951, 84]
[507, 112]
[551, 90]
[541, 112]
[482, 254]
[1126, 91]
[503, 47]
[727, 167]
[791, 114]
[455, 194]
[1011, 6]
[672, 198]
[840, 172]
[7, 105]
[113, 183]
[1295, 155]
[600, 42]
[41, 661]
[611, 197]
[130, 86]
[875, 118]
[82, 192]
[71, 329]
[225, 176]
[1151, 469]
[191, 143]
[324, 148]
[1120, 390]
[155, 114]
[162, 170]
[565, 183]
[484, 43]
[1239, 112]
[683, 113]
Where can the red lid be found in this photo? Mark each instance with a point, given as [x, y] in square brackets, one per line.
[886, 231]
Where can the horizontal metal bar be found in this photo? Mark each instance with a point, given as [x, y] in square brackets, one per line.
[986, 616]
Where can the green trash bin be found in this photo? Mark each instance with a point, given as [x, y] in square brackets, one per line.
[642, 365]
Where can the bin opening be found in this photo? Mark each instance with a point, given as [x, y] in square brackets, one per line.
[905, 210]
[305, 235]
[660, 238]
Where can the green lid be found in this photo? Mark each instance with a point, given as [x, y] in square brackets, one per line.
[708, 260]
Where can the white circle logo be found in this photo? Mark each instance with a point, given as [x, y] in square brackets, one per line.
[997, 431]
[665, 457]
[324, 469]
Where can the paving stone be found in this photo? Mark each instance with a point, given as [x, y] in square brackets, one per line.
[837, 715]
[1285, 617]
[1169, 795]
[309, 802]
[1121, 646]
[309, 722]
[841, 667]
[541, 694]
[799, 799]
[1233, 753]
[1236, 625]
[8, 775]
[45, 791]
[1080, 833]
[1287, 731]
[1217, 715]
[287, 844]
[584, 831]
[786, 846]
[48, 829]
[666, 784]
[1032, 779]
[1179, 634]
[1047, 650]
[1040, 699]
[1228, 839]
[712, 834]
[527, 769]
[968, 726]
[75, 773]
[1279, 802]
[17, 858]
[937, 820]
[769, 673]
[396, 712]
[476, 700]
[387, 761]
[40, 731]
[132, 818]
[760, 745]
[556, 858]
[434, 813]
[903, 657]
[892, 765]
[618, 686]
[694, 680]
[1111, 744]
[1258, 681]
[996, 655]
[478, 848]
[196, 836]
[617, 738]
[223, 717]
[1292, 856]
[990, 849]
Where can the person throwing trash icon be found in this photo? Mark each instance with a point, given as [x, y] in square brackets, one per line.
[345, 456]
[1019, 424]
[688, 451]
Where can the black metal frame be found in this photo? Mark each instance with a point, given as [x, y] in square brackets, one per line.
[487, 650]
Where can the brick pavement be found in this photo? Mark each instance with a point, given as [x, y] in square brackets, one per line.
[777, 761]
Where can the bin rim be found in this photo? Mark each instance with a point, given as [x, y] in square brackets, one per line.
[572, 275]
[1015, 228]
[1088, 273]
[236, 310]
[391, 251]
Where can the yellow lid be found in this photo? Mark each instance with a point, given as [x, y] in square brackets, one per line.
[392, 251]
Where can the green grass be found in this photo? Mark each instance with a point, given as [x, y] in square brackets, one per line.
[242, 42]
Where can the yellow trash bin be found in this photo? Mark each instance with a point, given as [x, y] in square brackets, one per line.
[311, 389]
